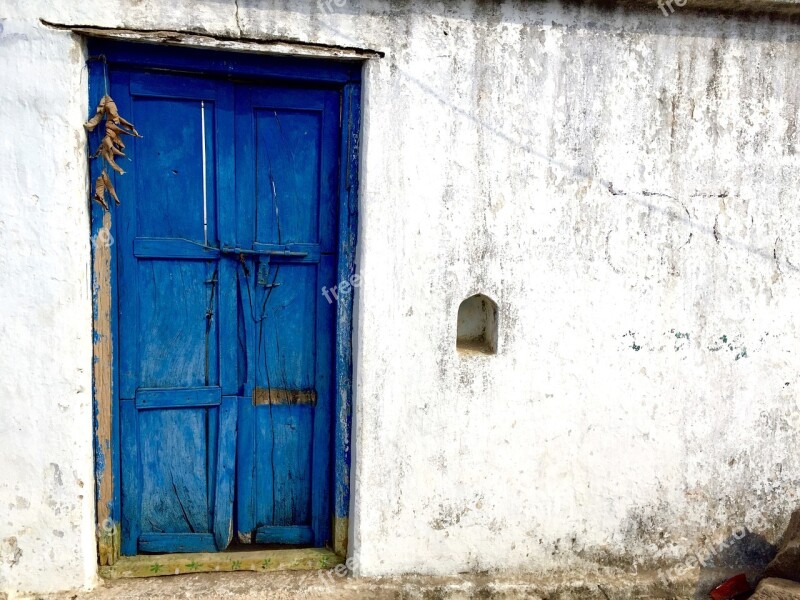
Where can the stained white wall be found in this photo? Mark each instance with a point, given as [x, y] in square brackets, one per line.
[46, 474]
[624, 185]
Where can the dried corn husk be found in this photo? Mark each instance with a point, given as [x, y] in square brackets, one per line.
[102, 185]
[100, 190]
[110, 146]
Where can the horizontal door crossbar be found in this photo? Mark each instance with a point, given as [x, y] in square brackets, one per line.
[173, 248]
[147, 398]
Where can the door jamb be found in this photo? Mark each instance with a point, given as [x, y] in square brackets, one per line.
[344, 76]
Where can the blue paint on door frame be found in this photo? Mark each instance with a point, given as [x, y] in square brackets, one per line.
[344, 76]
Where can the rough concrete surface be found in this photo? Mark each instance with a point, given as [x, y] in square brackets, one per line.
[786, 563]
[777, 589]
[323, 585]
[624, 185]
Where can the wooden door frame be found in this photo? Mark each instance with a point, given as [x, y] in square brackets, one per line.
[344, 76]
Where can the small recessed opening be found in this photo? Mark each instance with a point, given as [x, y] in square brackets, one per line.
[477, 325]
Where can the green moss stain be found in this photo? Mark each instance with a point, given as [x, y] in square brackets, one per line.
[636, 347]
[681, 339]
[721, 342]
[731, 344]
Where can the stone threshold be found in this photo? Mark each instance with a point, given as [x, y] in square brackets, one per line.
[159, 565]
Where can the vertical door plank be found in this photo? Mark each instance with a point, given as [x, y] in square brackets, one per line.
[131, 477]
[245, 225]
[348, 215]
[223, 506]
[226, 236]
[323, 411]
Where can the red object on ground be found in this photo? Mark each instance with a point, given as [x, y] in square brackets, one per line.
[731, 588]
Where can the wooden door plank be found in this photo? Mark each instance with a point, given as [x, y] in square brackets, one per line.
[176, 542]
[125, 355]
[226, 236]
[178, 397]
[290, 534]
[174, 470]
[157, 565]
[164, 248]
[223, 505]
[131, 477]
[303, 68]
[323, 412]
[106, 345]
[348, 217]
[244, 274]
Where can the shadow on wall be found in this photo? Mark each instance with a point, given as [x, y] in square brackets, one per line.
[749, 554]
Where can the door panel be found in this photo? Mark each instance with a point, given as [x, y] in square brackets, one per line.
[226, 341]
[177, 342]
[169, 191]
[180, 461]
[287, 159]
[287, 142]
[177, 432]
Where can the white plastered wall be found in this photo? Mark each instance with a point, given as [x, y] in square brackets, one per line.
[624, 185]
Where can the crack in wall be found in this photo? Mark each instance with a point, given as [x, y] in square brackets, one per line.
[238, 21]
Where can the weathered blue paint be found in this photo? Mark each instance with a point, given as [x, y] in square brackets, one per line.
[169, 327]
[210, 319]
[105, 378]
[223, 507]
[130, 488]
[296, 535]
[213, 62]
[286, 198]
[159, 543]
[348, 218]
[178, 398]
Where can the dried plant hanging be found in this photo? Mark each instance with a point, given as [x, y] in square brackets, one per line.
[110, 146]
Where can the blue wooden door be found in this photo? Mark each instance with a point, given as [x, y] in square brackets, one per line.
[286, 199]
[227, 234]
